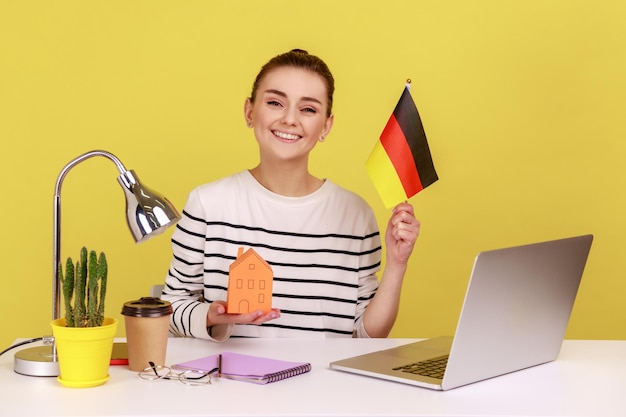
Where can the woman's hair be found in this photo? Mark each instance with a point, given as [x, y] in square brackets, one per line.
[298, 58]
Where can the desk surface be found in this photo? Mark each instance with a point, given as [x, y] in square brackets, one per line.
[588, 379]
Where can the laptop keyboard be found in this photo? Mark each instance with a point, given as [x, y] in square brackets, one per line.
[433, 368]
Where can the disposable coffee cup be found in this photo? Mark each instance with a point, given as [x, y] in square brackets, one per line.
[147, 326]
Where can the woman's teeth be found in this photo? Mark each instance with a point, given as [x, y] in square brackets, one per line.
[287, 136]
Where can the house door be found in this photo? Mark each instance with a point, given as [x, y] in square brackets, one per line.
[244, 306]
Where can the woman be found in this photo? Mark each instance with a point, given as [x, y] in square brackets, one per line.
[321, 240]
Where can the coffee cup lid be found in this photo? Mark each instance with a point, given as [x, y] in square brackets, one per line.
[147, 307]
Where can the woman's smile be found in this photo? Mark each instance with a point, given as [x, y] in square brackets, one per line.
[289, 137]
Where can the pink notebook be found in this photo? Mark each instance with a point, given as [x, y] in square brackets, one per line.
[256, 369]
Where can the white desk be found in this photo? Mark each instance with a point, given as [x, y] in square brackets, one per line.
[588, 379]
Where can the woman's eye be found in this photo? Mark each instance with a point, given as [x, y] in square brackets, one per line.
[273, 103]
[309, 110]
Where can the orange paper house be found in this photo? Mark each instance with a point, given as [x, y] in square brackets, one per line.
[250, 281]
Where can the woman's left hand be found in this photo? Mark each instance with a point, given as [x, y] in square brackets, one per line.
[402, 232]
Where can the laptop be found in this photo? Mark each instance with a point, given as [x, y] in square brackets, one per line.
[514, 316]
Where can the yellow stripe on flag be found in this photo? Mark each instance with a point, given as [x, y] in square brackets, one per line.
[384, 177]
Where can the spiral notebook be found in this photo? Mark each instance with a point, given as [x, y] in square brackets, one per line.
[248, 368]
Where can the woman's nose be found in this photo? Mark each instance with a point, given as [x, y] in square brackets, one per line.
[289, 116]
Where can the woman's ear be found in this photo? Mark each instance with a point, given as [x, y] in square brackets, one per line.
[247, 112]
[328, 125]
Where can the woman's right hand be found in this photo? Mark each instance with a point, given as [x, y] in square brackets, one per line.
[217, 315]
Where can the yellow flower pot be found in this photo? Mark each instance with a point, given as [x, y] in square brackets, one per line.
[84, 353]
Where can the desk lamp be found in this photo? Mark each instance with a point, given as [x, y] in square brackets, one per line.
[148, 213]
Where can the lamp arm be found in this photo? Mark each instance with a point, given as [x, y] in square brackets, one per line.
[56, 244]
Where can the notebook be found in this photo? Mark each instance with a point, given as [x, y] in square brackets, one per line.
[256, 369]
[514, 316]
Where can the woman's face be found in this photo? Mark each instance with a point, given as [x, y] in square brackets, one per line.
[289, 113]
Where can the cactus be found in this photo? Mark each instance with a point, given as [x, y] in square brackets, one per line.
[102, 276]
[92, 290]
[85, 285]
[68, 289]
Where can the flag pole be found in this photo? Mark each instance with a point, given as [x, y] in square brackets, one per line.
[408, 87]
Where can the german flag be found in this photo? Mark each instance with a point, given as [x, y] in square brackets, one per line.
[400, 164]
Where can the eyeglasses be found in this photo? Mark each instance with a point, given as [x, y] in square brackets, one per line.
[188, 377]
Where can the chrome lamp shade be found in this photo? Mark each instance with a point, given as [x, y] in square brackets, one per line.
[148, 213]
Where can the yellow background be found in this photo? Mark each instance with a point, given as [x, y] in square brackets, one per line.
[523, 103]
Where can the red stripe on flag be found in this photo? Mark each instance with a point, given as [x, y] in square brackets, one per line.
[397, 148]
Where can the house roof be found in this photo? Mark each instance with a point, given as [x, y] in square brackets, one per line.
[241, 257]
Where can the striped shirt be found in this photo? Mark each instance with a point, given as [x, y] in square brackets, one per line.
[324, 250]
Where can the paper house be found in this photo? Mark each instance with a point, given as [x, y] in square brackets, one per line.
[250, 281]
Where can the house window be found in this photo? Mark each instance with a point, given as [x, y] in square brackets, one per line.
[262, 284]
[250, 284]
[261, 298]
[251, 266]
[240, 283]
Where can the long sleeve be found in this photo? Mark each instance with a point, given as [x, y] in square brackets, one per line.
[184, 284]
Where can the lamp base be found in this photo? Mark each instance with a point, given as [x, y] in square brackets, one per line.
[36, 361]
